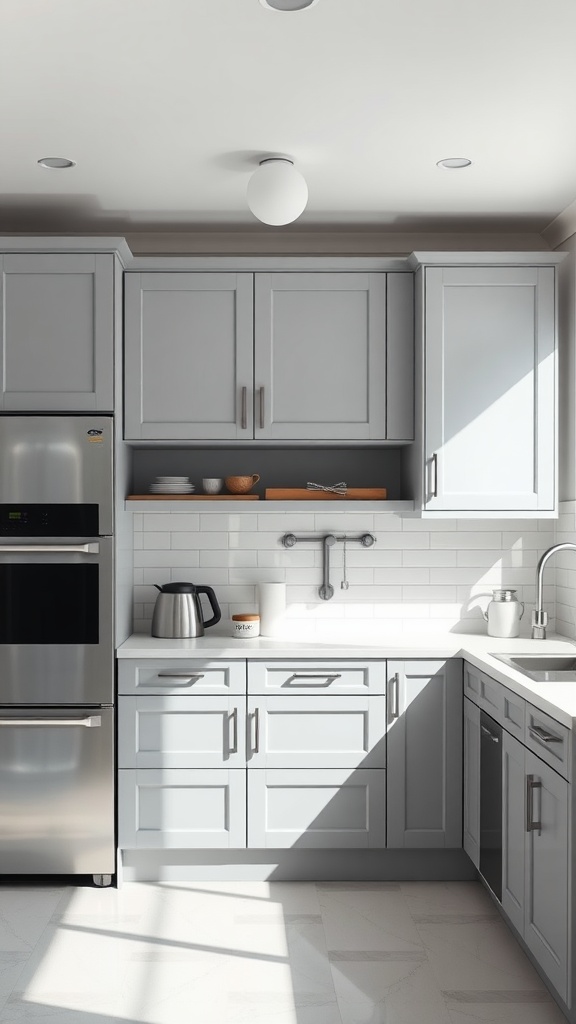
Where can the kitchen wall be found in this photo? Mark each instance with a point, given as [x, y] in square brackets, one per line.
[420, 577]
[565, 571]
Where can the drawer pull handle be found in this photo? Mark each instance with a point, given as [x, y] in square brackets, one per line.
[186, 677]
[256, 719]
[540, 734]
[531, 825]
[328, 678]
[395, 697]
[233, 747]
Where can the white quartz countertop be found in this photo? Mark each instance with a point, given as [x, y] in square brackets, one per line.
[556, 699]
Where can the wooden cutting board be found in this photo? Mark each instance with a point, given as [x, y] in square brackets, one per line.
[303, 494]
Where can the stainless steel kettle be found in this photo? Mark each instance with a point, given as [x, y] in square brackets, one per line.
[178, 612]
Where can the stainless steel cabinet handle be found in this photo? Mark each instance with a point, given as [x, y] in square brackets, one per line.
[540, 734]
[256, 717]
[495, 739]
[395, 697]
[434, 490]
[27, 549]
[261, 408]
[328, 678]
[91, 722]
[244, 419]
[531, 785]
[233, 747]
[189, 677]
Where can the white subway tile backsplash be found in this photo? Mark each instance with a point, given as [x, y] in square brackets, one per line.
[171, 521]
[155, 540]
[420, 576]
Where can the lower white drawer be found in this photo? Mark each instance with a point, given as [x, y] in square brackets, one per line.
[317, 808]
[178, 809]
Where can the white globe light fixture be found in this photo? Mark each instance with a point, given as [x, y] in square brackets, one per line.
[277, 193]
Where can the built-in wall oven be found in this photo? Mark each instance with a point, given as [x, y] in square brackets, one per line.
[56, 646]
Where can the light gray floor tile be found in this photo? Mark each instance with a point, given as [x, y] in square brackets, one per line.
[257, 953]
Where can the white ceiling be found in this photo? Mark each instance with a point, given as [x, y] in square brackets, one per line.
[167, 105]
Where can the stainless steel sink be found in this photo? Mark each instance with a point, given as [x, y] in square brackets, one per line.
[542, 668]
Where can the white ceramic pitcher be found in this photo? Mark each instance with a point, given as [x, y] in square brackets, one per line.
[503, 613]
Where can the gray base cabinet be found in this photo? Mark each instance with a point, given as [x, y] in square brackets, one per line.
[57, 332]
[424, 754]
[288, 762]
[535, 856]
[536, 820]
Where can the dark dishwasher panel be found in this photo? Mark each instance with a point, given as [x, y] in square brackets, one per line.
[491, 803]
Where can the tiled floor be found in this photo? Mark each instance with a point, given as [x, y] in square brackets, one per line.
[264, 953]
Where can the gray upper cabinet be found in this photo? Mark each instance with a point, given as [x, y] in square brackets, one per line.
[57, 332]
[279, 356]
[487, 376]
[320, 366]
[189, 350]
[424, 754]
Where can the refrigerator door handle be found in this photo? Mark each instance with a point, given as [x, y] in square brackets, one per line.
[91, 721]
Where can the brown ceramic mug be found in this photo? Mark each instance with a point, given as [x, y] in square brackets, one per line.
[241, 484]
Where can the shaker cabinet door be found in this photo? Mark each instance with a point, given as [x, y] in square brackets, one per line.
[424, 754]
[189, 340]
[320, 356]
[57, 332]
[489, 386]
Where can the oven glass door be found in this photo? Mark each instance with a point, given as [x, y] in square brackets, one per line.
[56, 621]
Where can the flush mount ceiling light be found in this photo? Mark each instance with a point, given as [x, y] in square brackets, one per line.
[454, 163]
[277, 193]
[288, 5]
[57, 163]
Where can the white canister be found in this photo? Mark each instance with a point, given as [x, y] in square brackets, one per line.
[504, 613]
[245, 626]
[272, 604]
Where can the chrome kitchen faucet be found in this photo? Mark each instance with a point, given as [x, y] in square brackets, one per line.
[539, 616]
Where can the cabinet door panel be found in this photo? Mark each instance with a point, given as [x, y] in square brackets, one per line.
[546, 891]
[490, 388]
[424, 743]
[316, 808]
[58, 332]
[320, 356]
[472, 781]
[181, 732]
[317, 732]
[188, 355]
[179, 809]
[513, 829]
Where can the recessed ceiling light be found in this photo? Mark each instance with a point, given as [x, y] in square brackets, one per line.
[56, 162]
[454, 162]
[288, 5]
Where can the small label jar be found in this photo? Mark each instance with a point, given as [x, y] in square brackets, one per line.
[244, 627]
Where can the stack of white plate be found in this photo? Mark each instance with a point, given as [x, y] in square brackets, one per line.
[172, 485]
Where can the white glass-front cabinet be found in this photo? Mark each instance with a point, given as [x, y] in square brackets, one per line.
[486, 387]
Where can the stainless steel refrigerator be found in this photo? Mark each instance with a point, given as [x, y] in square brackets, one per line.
[56, 646]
